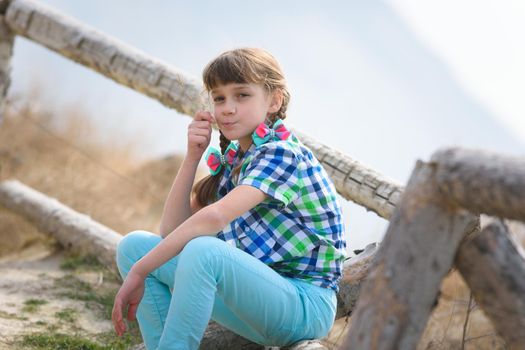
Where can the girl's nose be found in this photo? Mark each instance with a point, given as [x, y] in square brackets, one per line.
[229, 108]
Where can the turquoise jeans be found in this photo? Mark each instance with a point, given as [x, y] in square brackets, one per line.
[211, 279]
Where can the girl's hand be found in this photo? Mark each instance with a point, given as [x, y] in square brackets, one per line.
[199, 134]
[130, 294]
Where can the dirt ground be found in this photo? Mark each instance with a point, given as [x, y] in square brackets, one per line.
[38, 296]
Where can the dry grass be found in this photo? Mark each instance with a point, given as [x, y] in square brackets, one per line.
[448, 327]
[62, 156]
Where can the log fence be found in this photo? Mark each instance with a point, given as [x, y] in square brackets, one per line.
[389, 290]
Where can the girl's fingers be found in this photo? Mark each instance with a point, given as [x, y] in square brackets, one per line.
[116, 317]
[132, 311]
[198, 136]
[204, 115]
[200, 124]
[200, 132]
[199, 140]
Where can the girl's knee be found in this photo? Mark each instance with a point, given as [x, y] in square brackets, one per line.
[130, 241]
[134, 245]
[201, 248]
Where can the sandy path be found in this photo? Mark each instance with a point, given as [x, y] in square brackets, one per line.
[32, 274]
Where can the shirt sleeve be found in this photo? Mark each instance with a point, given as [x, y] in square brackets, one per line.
[276, 170]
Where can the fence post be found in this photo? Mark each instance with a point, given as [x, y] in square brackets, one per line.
[6, 51]
[417, 252]
[494, 268]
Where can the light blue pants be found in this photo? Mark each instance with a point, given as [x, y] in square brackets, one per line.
[211, 279]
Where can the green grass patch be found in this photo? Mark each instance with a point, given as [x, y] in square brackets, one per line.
[100, 300]
[67, 315]
[81, 262]
[57, 341]
[32, 305]
[130, 338]
[11, 316]
[61, 341]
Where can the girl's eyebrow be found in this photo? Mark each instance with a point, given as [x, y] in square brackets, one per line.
[236, 87]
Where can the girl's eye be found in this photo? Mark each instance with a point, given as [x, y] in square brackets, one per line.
[243, 95]
[217, 99]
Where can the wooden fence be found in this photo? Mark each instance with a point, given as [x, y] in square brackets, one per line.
[434, 223]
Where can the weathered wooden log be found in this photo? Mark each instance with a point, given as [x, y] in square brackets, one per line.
[355, 181]
[6, 51]
[494, 269]
[104, 54]
[226, 341]
[355, 270]
[482, 181]
[304, 345]
[418, 250]
[216, 337]
[517, 231]
[71, 229]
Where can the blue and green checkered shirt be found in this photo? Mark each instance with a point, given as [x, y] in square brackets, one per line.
[298, 230]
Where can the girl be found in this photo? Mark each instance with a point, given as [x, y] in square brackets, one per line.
[258, 245]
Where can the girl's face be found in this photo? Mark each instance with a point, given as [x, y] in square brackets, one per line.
[240, 108]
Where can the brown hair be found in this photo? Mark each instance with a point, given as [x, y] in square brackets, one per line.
[242, 66]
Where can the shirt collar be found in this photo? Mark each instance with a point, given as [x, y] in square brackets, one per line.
[249, 151]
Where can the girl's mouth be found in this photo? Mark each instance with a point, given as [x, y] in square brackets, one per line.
[227, 125]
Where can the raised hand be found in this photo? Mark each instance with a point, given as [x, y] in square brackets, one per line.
[199, 134]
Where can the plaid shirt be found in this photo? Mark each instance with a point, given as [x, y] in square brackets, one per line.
[298, 229]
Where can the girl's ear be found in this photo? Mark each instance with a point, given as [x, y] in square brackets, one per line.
[277, 101]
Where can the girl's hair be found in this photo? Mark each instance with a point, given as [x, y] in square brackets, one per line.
[242, 66]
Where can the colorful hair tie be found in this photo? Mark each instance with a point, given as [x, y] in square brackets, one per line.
[264, 133]
[215, 160]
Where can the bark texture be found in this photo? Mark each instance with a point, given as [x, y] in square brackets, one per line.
[355, 181]
[416, 253]
[355, 270]
[106, 55]
[482, 181]
[494, 269]
[6, 52]
[72, 230]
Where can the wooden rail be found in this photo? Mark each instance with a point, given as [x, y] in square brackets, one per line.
[434, 221]
[438, 210]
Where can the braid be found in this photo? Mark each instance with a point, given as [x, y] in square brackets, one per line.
[206, 189]
[223, 142]
[281, 113]
[272, 118]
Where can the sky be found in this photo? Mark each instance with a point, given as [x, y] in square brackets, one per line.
[482, 43]
[386, 82]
